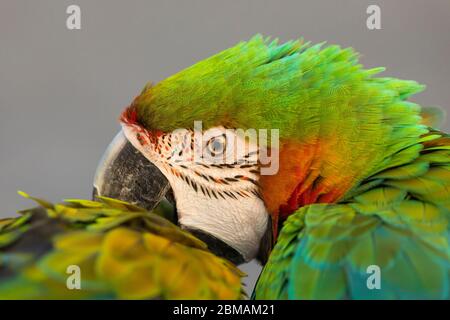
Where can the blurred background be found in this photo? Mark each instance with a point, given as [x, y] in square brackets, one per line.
[61, 90]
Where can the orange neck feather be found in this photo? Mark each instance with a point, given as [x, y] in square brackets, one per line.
[303, 178]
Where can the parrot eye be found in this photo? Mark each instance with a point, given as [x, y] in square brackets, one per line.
[217, 145]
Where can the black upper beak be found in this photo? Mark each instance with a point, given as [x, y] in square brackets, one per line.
[124, 173]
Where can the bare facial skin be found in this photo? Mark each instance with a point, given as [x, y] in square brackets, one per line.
[216, 192]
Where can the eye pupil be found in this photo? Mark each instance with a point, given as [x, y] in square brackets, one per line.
[217, 145]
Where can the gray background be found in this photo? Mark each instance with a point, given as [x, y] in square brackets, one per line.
[61, 91]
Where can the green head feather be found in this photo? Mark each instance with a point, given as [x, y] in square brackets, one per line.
[261, 84]
[308, 92]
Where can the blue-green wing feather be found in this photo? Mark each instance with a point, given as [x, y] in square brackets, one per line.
[396, 220]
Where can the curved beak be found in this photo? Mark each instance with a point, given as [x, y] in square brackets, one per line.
[124, 173]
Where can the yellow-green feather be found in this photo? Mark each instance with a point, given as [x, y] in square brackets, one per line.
[122, 250]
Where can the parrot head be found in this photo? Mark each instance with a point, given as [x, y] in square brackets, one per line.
[212, 170]
[217, 196]
[203, 133]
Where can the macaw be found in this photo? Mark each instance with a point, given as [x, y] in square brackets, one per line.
[362, 184]
[361, 179]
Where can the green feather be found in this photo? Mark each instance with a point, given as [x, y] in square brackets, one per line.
[397, 220]
[310, 93]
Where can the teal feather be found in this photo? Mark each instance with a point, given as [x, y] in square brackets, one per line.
[397, 220]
